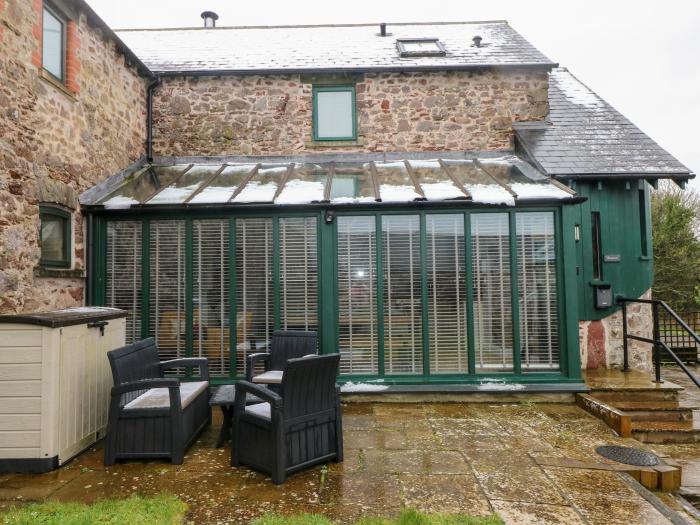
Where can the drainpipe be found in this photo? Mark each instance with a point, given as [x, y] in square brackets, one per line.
[89, 271]
[149, 118]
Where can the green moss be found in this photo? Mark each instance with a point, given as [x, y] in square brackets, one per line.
[407, 517]
[158, 510]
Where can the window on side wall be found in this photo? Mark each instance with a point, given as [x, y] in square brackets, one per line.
[334, 114]
[55, 239]
[53, 43]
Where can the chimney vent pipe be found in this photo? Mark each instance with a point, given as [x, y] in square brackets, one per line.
[382, 29]
[477, 41]
[210, 18]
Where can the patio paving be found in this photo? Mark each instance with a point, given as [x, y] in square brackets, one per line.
[472, 458]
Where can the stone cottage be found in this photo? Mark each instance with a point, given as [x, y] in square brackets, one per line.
[439, 201]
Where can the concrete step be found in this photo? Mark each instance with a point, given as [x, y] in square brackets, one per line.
[669, 392]
[666, 431]
[656, 410]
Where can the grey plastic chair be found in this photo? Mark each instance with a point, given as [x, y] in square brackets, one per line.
[295, 429]
[285, 345]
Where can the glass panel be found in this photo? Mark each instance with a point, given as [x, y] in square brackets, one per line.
[224, 185]
[184, 186]
[123, 268]
[492, 292]
[263, 186]
[595, 245]
[447, 301]
[254, 314]
[298, 273]
[210, 305]
[306, 184]
[53, 241]
[523, 179]
[417, 46]
[167, 287]
[334, 114]
[52, 45]
[479, 184]
[435, 183]
[394, 183]
[537, 284]
[352, 183]
[143, 186]
[357, 299]
[402, 295]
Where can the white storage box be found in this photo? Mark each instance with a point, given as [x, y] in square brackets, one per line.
[55, 383]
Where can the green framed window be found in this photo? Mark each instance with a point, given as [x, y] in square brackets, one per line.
[334, 113]
[55, 237]
[53, 43]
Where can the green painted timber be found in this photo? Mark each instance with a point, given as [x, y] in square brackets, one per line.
[625, 267]
[567, 282]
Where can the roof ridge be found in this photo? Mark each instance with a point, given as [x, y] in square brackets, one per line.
[308, 26]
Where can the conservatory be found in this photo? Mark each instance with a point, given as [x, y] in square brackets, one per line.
[441, 271]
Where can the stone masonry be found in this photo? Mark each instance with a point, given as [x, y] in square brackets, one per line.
[258, 115]
[56, 142]
[600, 341]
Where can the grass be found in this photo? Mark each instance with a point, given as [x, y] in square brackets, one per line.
[159, 510]
[407, 517]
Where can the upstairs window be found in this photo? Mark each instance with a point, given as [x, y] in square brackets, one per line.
[420, 47]
[53, 41]
[334, 113]
[55, 237]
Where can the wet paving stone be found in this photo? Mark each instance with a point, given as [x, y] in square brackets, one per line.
[519, 513]
[474, 458]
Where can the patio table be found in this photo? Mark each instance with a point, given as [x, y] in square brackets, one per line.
[224, 396]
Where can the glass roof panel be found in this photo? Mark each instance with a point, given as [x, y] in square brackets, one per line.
[220, 189]
[524, 180]
[395, 185]
[434, 181]
[482, 187]
[140, 188]
[352, 184]
[263, 186]
[307, 183]
[184, 186]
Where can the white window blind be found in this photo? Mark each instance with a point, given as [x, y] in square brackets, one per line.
[492, 292]
[167, 287]
[537, 288]
[254, 288]
[123, 279]
[210, 307]
[447, 302]
[357, 300]
[402, 295]
[334, 114]
[298, 273]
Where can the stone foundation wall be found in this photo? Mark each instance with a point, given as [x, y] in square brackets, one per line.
[254, 115]
[56, 142]
[601, 341]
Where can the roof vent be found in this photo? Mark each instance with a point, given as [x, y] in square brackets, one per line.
[210, 18]
[477, 41]
[382, 29]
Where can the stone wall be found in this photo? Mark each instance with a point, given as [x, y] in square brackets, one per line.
[601, 341]
[253, 115]
[56, 142]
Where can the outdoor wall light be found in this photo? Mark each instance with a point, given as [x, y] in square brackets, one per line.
[330, 215]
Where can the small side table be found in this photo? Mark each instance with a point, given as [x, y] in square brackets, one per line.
[224, 396]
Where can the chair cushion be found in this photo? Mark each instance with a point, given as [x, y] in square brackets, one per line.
[261, 410]
[160, 398]
[273, 377]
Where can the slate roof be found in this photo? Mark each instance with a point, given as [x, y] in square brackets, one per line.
[586, 136]
[327, 48]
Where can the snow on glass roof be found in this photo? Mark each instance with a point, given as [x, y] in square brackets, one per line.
[498, 181]
[329, 47]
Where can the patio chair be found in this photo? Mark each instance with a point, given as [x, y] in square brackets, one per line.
[297, 428]
[285, 345]
[152, 416]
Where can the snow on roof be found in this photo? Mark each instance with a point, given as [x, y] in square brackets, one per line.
[491, 181]
[327, 47]
[587, 136]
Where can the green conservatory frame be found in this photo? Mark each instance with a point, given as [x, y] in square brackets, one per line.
[565, 218]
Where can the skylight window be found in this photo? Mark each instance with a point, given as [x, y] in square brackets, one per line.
[420, 47]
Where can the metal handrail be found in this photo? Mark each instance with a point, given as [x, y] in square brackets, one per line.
[656, 341]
